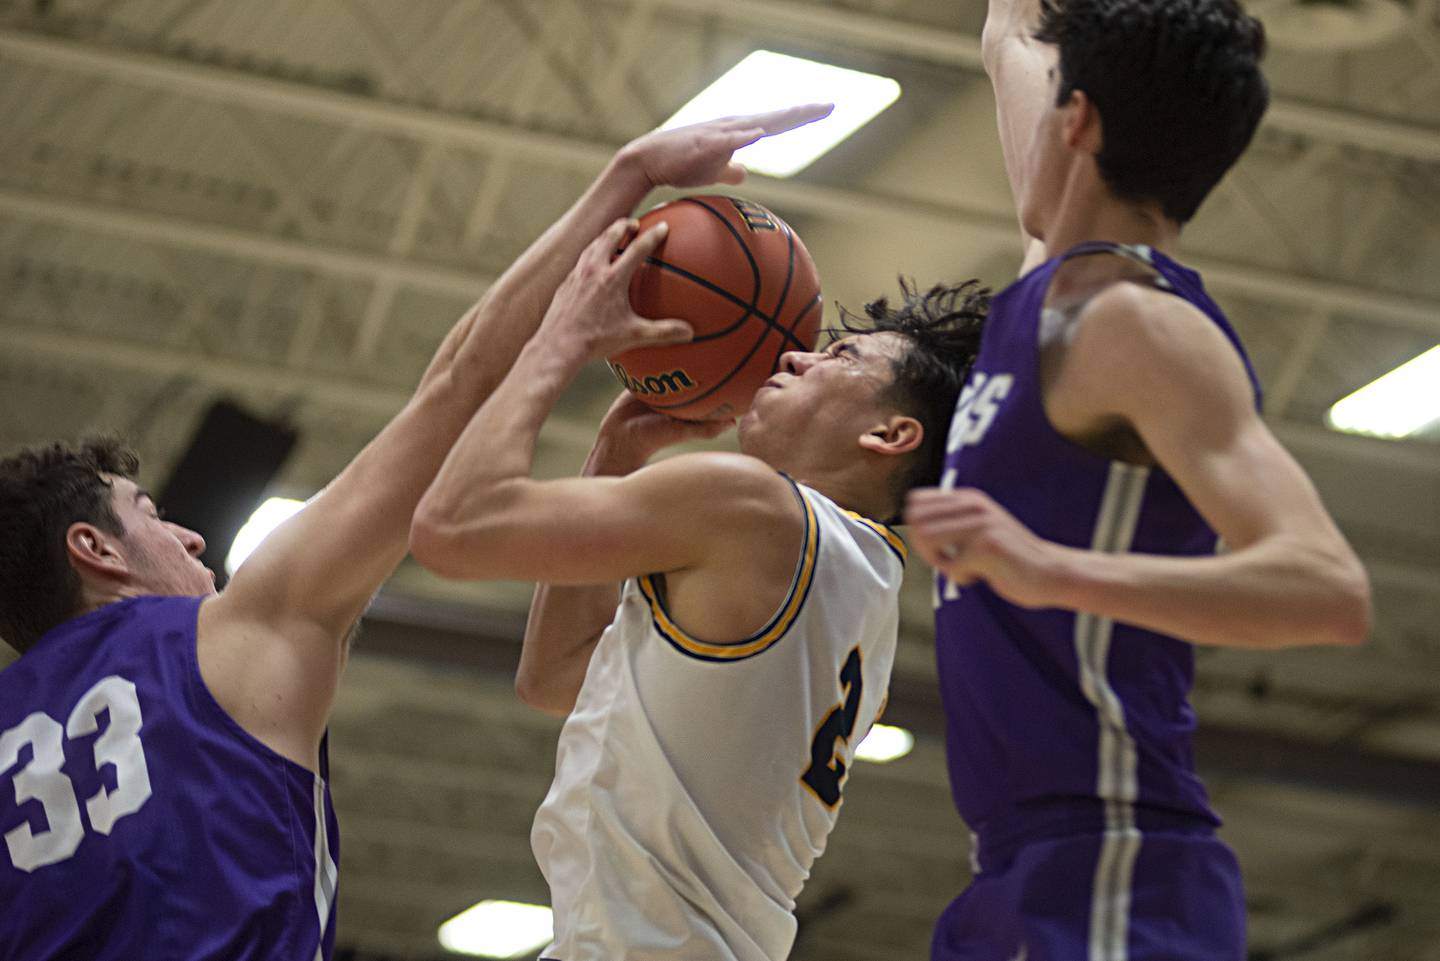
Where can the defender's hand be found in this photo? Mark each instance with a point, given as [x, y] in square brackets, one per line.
[632, 432]
[968, 537]
[591, 311]
[699, 154]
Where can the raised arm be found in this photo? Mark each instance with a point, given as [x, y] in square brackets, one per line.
[484, 516]
[273, 645]
[566, 621]
[1019, 69]
[1151, 361]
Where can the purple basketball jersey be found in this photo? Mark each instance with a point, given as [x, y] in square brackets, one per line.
[1060, 722]
[139, 819]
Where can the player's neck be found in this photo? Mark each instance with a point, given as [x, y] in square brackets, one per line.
[92, 598]
[1089, 212]
[856, 491]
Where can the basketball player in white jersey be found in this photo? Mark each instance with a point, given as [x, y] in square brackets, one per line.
[713, 716]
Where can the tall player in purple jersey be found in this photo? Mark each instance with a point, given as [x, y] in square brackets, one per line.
[1110, 432]
[162, 753]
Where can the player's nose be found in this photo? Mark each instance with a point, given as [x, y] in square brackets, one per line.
[194, 543]
[798, 361]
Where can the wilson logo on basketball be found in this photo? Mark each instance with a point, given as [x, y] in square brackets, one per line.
[657, 386]
[755, 216]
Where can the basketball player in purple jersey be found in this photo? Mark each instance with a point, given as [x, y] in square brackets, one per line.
[162, 747]
[1109, 433]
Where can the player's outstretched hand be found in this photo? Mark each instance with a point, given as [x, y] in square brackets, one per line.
[966, 536]
[631, 433]
[700, 154]
[591, 310]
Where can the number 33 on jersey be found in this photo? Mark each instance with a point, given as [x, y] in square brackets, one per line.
[42, 777]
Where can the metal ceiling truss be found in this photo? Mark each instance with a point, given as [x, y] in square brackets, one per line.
[497, 139]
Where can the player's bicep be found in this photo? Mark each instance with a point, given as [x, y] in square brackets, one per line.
[590, 530]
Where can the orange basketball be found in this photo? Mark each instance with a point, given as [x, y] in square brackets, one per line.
[743, 280]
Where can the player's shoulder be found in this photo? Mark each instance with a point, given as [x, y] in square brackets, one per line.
[1145, 323]
[720, 478]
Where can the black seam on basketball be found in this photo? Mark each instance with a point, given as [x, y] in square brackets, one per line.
[755, 283]
[754, 305]
[787, 334]
[739, 366]
[785, 289]
[720, 291]
[769, 321]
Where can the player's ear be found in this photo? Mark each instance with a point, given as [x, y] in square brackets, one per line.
[1083, 129]
[95, 553]
[898, 434]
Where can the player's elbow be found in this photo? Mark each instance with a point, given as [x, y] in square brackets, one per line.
[436, 543]
[549, 698]
[1340, 605]
[992, 41]
[1001, 37]
[1354, 613]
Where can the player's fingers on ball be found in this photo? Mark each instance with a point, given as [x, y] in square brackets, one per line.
[602, 249]
[658, 332]
[641, 247]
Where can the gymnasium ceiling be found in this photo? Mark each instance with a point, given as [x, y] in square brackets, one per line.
[287, 204]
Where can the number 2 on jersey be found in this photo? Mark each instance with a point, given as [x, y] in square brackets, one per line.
[42, 780]
[826, 773]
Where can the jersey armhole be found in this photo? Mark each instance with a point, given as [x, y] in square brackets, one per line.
[207, 708]
[653, 589]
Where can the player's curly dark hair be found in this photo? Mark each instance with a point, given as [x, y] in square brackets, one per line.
[943, 325]
[1177, 84]
[43, 490]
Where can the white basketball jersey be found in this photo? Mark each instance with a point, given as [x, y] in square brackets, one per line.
[697, 782]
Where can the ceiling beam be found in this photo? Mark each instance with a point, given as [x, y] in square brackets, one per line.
[245, 244]
[883, 35]
[893, 37]
[347, 392]
[433, 127]
[846, 28]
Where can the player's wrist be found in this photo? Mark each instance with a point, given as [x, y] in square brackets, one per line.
[1074, 577]
[629, 170]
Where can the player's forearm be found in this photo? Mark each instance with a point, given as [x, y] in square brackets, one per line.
[1018, 67]
[489, 466]
[560, 636]
[1276, 593]
[518, 300]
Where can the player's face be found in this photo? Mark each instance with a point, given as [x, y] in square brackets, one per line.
[822, 400]
[164, 557]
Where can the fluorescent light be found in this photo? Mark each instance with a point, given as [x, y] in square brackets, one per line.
[885, 743]
[498, 929]
[266, 518]
[1396, 405]
[768, 81]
